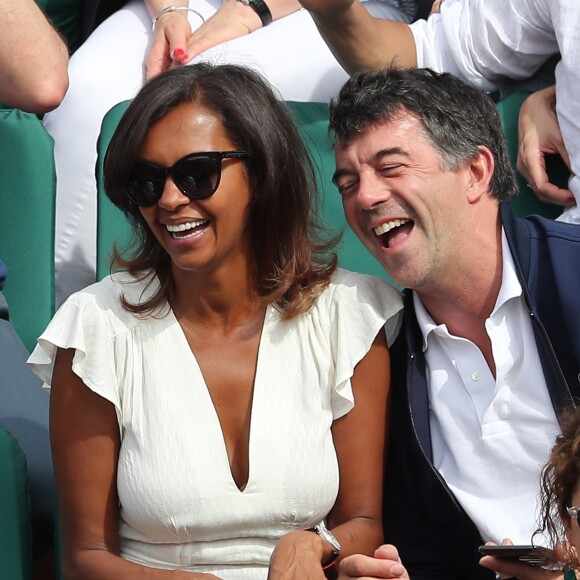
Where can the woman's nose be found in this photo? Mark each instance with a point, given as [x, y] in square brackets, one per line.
[172, 197]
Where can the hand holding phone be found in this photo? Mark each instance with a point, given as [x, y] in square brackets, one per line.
[532, 555]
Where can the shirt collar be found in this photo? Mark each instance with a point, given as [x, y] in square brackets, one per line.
[510, 288]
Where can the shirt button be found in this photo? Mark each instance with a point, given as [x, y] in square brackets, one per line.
[475, 376]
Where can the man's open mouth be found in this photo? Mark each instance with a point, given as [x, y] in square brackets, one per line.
[393, 232]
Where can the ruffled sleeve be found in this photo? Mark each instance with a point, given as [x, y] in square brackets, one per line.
[86, 323]
[360, 306]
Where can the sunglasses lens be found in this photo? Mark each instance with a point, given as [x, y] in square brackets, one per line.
[198, 176]
[145, 185]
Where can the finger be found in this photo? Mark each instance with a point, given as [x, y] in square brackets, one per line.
[534, 171]
[387, 552]
[359, 566]
[177, 40]
[550, 193]
[511, 569]
[204, 39]
[200, 44]
[158, 59]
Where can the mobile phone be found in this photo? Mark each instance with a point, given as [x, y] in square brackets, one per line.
[533, 555]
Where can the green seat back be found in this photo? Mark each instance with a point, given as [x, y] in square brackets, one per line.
[27, 193]
[15, 533]
[312, 119]
[112, 226]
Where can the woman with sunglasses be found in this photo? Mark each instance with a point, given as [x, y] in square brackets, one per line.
[218, 407]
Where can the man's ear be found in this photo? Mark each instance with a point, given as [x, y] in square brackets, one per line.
[481, 170]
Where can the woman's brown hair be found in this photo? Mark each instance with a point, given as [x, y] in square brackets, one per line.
[293, 255]
[560, 479]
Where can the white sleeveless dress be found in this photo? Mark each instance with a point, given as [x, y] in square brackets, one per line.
[179, 504]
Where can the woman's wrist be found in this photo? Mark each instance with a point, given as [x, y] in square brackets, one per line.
[261, 10]
[172, 9]
[243, 14]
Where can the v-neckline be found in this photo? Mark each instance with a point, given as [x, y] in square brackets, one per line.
[207, 396]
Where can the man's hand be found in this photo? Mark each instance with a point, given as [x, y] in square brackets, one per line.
[297, 556]
[539, 135]
[514, 569]
[385, 564]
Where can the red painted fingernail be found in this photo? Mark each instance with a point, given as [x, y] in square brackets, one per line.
[178, 53]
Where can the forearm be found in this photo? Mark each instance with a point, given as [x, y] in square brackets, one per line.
[358, 535]
[360, 41]
[33, 58]
[281, 8]
[154, 7]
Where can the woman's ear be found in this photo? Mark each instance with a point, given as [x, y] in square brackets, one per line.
[481, 170]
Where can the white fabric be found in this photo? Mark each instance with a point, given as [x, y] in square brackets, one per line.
[109, 68]
[491, 437]
[180, 506]
[486, 41]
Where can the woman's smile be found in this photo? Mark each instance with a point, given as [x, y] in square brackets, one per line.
[198, 234]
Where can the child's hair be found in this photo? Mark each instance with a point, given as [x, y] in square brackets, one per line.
[560, 479]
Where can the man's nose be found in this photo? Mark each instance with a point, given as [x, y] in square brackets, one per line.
[372, 191]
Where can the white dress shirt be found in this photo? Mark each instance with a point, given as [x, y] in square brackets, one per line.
[491, 437]
[486, 41]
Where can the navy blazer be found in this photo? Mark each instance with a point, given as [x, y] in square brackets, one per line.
[436, 538]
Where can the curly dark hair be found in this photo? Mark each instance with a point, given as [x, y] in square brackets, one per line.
[292, 253]
[560, 479]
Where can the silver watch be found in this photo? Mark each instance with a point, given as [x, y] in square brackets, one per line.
[331, 540]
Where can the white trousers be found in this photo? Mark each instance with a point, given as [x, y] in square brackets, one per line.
[109, 68]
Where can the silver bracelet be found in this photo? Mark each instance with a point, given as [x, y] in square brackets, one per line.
[174, 9]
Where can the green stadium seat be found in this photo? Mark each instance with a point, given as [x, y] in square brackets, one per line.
[27, 194]
[15, 532]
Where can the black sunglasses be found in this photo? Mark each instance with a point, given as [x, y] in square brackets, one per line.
[196, 175]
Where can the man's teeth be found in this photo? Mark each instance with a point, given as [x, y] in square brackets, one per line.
[183, 227]
[388, 226]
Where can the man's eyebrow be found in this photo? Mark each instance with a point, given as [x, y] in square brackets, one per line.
[339, 173]
[390, 151]
[376, 157]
